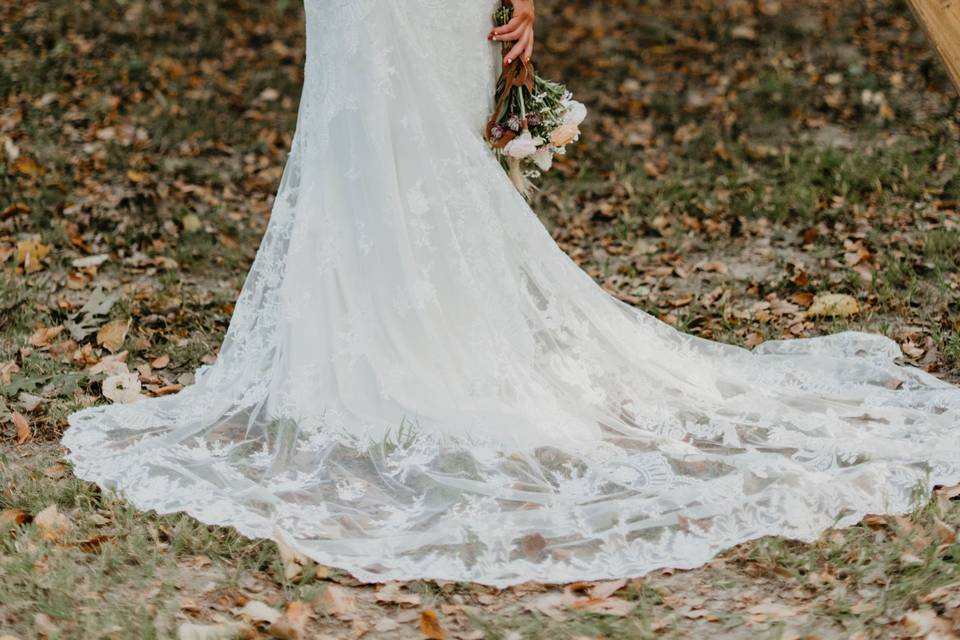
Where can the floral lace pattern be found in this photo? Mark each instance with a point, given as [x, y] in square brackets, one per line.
[418, 383]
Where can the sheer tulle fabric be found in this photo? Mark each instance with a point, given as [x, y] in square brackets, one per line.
[418, 383]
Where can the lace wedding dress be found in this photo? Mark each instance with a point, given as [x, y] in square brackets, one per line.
[418, 383]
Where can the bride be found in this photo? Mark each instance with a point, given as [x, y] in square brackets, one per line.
[418, 383]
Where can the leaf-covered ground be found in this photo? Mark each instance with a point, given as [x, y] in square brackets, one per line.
[741, 158]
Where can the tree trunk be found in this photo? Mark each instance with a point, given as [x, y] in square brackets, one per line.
[941, 20]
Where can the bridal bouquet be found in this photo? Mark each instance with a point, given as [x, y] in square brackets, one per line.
[534, 120]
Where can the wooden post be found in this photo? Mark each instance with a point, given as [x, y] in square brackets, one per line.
[941, 21]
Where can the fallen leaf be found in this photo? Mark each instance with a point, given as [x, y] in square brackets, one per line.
[160, 362]
[42, 336]
[112, 334]
[45, 626]
[191, 223]
[111, 365]
[944, 532]
[833, 304]
[53, 525]
[257, 611]
[13, 518]
[89, 261]
[7, 371]
[293, 561]
[30, 255]
[391, 592]
[23, 427]
[337, 601]
[551, 605]
[430, 625]
[606, 589]
[608, 606]
[386, 624]
[292, 624]
[221, 631]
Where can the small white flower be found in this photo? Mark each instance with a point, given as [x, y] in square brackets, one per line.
[523, 146]
[576, 113]
[543, 158]
[122, 388]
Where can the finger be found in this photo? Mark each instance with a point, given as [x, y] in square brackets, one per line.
[528, 52]
[513, 25]
[510, 35]
[518, 48]
[517, 24]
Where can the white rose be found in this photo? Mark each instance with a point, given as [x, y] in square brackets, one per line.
[523, 146]
[543, 159]
[576, 113]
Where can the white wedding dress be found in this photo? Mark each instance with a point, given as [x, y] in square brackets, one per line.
[418, 383]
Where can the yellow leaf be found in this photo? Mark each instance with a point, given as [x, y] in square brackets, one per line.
[136, 176]
[27, 166]
[191, 223]
[833, 304]
[430, 625]
[30, 253]
[112, 334]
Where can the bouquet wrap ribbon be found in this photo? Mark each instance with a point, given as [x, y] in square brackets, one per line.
[518, 74]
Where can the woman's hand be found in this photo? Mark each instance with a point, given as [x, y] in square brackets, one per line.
[519, 30]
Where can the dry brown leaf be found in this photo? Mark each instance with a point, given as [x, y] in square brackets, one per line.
[944, 532]
[715, 266]
[160, 362]
[221, 631]
[42, 336]
[430, 625]
[112, 334]
[384, 625]
[45, 626]
[257, 611]
[52, 524]
[92, 545]
[338, 601]
[608, 606]
[7, 371]
[292, 625]
[391, 592]
[13, 518]
[773, 610]
[803, 298]
[23, 427]
[550, 604]
[949, 492]
[293, 561]
[606, 589]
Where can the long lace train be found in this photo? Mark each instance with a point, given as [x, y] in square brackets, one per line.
[418, 383]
